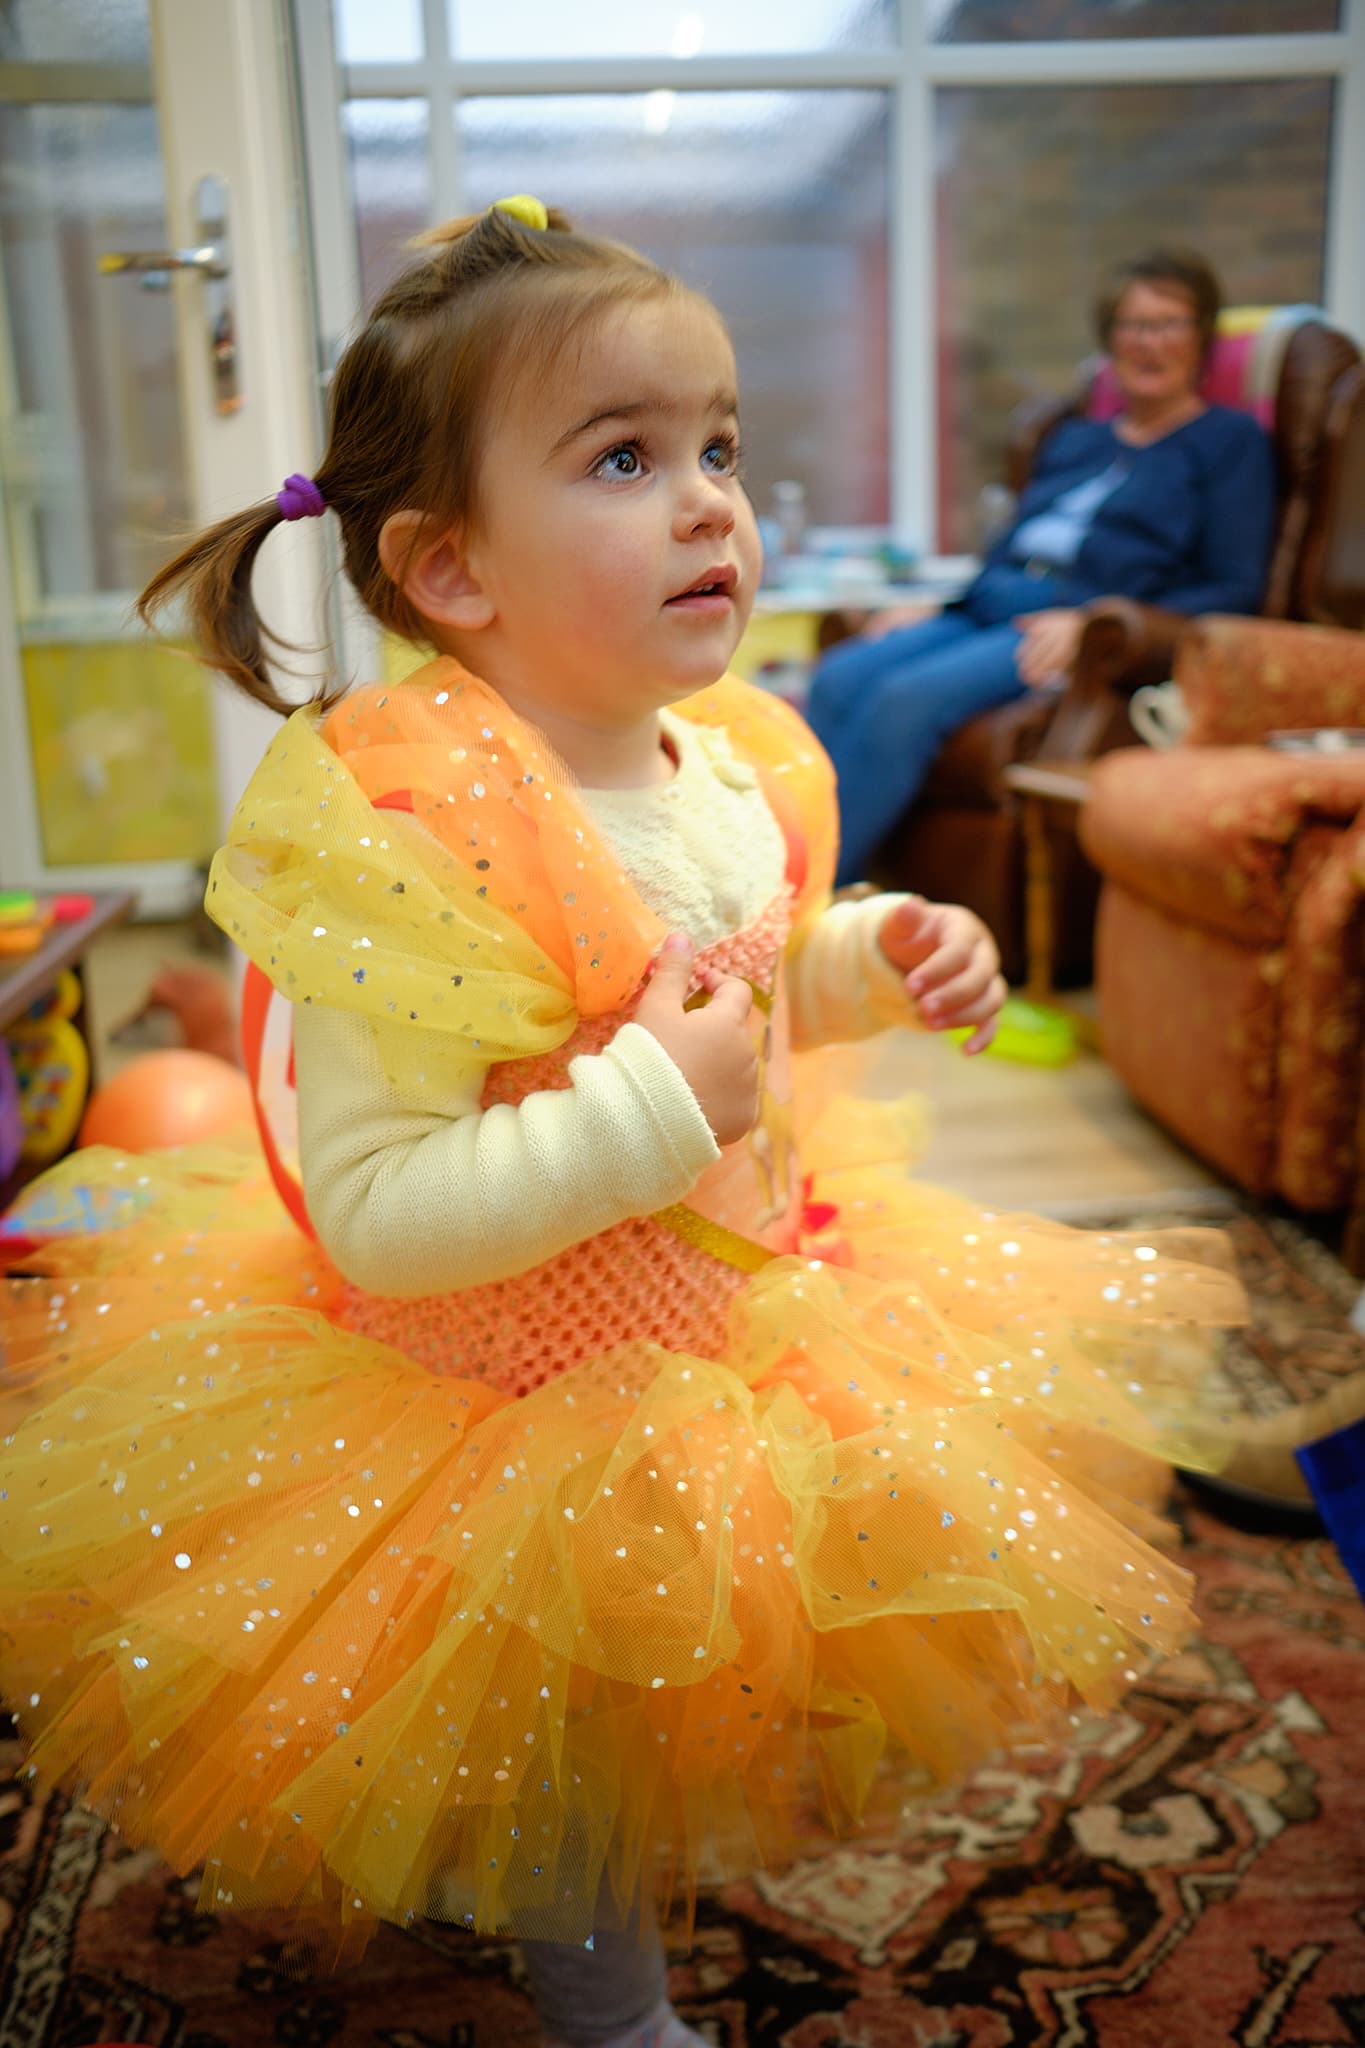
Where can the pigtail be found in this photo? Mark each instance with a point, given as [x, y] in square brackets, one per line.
[212, 576]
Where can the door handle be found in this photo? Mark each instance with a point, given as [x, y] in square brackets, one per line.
[211, 259]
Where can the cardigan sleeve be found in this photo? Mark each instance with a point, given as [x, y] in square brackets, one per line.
[840, 983]
[416, 1189]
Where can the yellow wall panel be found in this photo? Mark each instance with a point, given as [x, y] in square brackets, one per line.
[122, 752]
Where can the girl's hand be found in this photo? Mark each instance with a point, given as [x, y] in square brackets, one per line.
[1048, 648]
[711, 1047]
[951, 966]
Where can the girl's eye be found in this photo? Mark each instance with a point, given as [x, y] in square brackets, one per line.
[721, 456]
[622, 461]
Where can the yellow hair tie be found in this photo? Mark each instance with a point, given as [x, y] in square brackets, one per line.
[524, 208]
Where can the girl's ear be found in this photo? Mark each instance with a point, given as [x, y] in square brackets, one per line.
[434, 574]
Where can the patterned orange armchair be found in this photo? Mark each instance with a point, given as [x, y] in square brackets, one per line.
[1231, 938]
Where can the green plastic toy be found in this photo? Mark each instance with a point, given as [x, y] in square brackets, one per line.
[1030, 1034]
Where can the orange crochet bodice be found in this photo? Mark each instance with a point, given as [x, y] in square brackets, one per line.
[640, 1280]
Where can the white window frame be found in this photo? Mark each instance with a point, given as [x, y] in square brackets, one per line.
[910, 74]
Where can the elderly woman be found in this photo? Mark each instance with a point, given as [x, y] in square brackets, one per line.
[1171, 503]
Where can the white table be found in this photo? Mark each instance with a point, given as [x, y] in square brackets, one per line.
[780, 642]
[817, 585]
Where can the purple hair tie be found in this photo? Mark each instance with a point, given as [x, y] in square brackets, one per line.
[299, 498]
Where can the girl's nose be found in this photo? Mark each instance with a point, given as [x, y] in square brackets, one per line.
[706, 506]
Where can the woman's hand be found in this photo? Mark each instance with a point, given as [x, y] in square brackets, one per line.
[1048, 647]
[951, 966]
[711, 1047]
[896, 616]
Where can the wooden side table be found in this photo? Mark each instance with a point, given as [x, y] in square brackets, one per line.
[26, 976]
[1048, 791]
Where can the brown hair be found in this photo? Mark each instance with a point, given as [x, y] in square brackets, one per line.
[491, 301]
[1181, 269]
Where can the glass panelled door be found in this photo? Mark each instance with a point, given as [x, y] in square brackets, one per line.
[158, 368]
[107, 731]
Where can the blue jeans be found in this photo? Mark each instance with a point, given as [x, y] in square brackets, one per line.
[883, 708]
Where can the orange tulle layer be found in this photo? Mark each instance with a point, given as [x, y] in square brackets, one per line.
[368, 1642]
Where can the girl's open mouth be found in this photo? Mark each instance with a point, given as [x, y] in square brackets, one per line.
[711, 593]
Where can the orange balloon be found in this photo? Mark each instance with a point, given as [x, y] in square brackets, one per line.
[177, 1097]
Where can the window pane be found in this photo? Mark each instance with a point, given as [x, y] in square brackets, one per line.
[1042, 189]
[1022, 21]
[75, 31]
[378, 31]
[664, 28]
[391, 183]
[775, 205]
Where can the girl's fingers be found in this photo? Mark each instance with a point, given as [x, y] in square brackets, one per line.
[982, 1009]
[732, 998]
[979, 1040]
[949, 1001]
[910, 933]
[929, 977]
[990, 1004]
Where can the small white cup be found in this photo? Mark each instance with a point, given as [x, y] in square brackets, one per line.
[1159, 714]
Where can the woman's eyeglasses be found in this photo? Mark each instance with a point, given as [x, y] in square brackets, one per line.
[1170, 329]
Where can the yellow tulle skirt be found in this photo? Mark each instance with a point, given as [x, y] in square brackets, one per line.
[367, 1642]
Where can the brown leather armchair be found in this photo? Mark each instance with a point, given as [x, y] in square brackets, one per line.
[963, 840]
[1231, 943]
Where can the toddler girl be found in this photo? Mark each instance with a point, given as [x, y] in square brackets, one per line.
[581, 1462]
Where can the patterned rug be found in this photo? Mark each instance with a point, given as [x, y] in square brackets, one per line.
[1189, 1873]
[1299, 1339]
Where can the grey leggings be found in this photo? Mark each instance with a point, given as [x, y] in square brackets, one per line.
[584, 1996]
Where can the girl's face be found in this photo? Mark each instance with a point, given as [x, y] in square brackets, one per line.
[616, 549]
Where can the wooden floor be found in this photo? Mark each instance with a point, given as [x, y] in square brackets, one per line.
[1058, 1139]
[1052, 1138]
[120, 969]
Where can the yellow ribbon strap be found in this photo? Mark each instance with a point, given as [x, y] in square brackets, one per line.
[727, 1245]
[763, 998]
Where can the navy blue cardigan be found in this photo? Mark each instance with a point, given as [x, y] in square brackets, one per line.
[1189, 528]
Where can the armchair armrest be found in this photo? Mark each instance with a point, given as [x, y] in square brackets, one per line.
[1125, 644]
[1244, 678]
[1318, 1070]
[1219, 837]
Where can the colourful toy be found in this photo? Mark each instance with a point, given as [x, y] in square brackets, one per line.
[11, 1115]
[1030, 1034]
[71, 909]
[42, 1214]
[170, 1098]
[52, 1071]
[24, 922]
